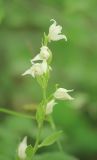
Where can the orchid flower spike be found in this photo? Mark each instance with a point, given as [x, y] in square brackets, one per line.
[37, 69]
[55, 32]
[43, 55]
[49, 107]
[62, 94]
[22, 149]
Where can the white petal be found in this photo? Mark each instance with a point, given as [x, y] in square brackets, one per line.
[66, 97]
[53, 21]
[49, 107]
[55, 32]
[33, 74]
[44, 66]
[36, 58]
[44, 53]
[22, 148]
[29, 71]
[61, 37]
[26, 72]
[58, 29]
[62, 90]
[52, 27]
[62, 94]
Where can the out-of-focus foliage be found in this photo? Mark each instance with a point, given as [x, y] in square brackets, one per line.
[22, 23]
[11, 131]
[56, 156]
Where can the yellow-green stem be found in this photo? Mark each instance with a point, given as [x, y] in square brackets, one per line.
[37, 140]
[40, 126]
[54, 128]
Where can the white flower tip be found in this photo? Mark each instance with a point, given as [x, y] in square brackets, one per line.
[49, 107]
[71, 90]
[22, 148]
[25, 140]
[24, 74]
[71, 98]
[52, 20]
[31, 61]
[65, 38]
[36, 58]
[62, 94]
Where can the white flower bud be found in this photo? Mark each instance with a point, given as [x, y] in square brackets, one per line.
[22, 148]
[62, 94]
[43, 55]
[49, 107]
[37, 69]
[55, 32]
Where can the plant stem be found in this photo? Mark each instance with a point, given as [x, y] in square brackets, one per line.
[14, 113]
[40, 126]
[37, 140]
[54, 128]
[44, 95]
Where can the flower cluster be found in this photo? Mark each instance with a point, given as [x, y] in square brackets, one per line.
[40, 68]
[40, 65]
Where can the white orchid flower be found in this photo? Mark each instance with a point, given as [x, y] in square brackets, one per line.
[62, 94]
[22, 149]
[55, 32]
[49, 107]
[43, 55]
[37, 69]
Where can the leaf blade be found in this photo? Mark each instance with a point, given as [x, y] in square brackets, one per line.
[51, 139]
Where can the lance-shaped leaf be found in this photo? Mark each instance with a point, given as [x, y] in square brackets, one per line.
[51, 139]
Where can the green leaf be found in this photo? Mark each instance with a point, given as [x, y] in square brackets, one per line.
[51, 139]
[29, 152]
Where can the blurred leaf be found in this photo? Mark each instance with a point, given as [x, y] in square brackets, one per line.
[51, 139]
[54, 156]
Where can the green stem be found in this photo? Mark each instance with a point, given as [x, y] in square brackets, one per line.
[46, 40]
[44, 94]
[13, 113]
[54, 128]
[37, 140]
[40, 125]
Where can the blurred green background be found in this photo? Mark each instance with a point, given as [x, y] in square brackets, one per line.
[22, 24]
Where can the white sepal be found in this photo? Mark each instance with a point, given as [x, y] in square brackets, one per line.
[43, 55]
[37, 69]
[49, 107]
[62, 94]
[22, 149]
[55, 32]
